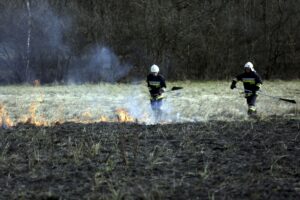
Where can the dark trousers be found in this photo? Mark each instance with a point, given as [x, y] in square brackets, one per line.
[251, 100]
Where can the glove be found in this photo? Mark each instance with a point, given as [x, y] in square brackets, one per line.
[248, 94]
[154, 96]
[233, 85]
[162, 90]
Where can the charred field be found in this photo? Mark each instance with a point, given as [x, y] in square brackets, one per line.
[252, 159]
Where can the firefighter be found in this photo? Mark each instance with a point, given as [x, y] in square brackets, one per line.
[252, 83]
[157, 86]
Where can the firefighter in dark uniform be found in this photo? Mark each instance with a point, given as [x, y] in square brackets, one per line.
[252, 83]
[157, 85]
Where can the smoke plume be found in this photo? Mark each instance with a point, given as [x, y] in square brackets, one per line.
[98, 64]
[41, 42]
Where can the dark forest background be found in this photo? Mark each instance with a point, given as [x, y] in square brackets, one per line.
[114, 40]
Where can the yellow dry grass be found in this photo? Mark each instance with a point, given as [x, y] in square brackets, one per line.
[198, 101]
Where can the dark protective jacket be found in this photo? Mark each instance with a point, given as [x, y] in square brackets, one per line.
[155, 84]
[251, 80]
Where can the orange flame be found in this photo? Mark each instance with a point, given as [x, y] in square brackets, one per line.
[32, 118]
[123, 116]
[103, 119]
[37, 83]
[5, 121]
[86, 115]
[32, 114]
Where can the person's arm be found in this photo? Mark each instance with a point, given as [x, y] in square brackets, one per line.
[234, 81]
[148, 84]
[258, 82]
[147, 81]
[163, 84]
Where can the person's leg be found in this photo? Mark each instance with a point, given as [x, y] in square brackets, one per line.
[159, 110]
[153, 104]
[251, 100]
[156, 107]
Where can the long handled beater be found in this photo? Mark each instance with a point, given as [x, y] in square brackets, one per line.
[264, 94]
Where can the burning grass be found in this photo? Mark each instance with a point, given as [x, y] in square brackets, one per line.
[198, 101]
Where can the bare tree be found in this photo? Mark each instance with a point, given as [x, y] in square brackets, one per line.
[188, 39]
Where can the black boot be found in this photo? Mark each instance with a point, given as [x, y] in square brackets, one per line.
[251, 110]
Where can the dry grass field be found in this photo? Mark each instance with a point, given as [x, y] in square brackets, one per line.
[197, 102]
[71, 142]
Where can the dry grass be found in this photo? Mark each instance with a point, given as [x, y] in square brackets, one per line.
[198, 101]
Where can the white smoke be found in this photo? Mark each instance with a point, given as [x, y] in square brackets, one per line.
[138, 105]
[97, 64]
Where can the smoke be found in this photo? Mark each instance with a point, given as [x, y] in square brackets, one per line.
[138, 105]
[49, 28]
[43, 47]
[36, 44]
[98, 64]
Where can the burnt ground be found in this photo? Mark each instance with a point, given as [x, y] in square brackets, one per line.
[212, 160]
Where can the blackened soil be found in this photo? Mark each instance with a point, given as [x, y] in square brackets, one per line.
[213, 160]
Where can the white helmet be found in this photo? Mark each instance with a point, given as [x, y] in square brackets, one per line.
[154, 69]
[250, 66]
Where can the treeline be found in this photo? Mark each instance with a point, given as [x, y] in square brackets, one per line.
[188, 39]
